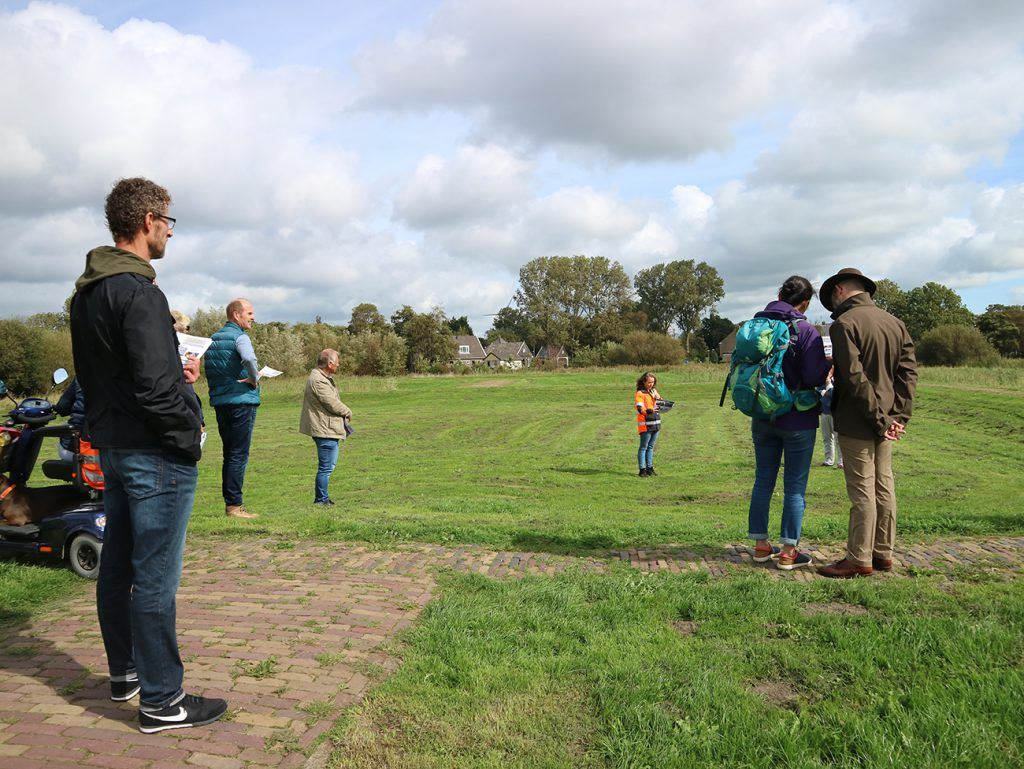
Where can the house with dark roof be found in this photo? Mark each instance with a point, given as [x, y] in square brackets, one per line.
[469, 350]
[502, 354]
[552, 355]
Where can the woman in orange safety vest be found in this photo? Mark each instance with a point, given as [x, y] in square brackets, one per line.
[648, 421]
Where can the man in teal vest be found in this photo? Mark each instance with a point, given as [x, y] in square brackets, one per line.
[233, 375]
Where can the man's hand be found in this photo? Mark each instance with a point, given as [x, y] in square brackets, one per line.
[247, 381]
[191, 369]
[895, 431]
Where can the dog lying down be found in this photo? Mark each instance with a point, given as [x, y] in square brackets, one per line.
[23, 505]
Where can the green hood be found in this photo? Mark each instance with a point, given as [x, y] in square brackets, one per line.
[105, 261]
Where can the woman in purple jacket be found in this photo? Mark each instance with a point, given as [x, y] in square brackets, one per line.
[792, 435]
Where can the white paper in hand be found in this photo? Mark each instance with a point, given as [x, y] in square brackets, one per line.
[266, 371]
[197, 345]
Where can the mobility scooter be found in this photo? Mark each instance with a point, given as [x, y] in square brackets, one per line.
[62, 522]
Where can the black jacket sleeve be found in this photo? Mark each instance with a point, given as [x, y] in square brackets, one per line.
[157, 377]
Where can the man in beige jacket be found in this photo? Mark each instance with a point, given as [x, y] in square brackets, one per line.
[324, 418]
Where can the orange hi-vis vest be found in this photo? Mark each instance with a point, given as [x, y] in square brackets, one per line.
[644, 400]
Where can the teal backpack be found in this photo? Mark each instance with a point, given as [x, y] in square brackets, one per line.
[755, 377]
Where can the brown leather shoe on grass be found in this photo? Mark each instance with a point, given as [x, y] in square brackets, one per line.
[237, 511]
[881, 564]
[845, 569]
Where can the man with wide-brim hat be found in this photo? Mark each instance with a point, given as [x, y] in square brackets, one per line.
[845, 275]
[875, 379]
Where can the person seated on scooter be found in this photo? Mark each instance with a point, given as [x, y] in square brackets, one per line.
[71, 405]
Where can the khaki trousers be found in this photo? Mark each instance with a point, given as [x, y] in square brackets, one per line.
[872, 492]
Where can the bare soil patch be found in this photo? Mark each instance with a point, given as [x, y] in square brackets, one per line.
[835, 607]
[685, 627]
[777, 693]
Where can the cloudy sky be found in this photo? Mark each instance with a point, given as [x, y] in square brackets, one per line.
[322, 154]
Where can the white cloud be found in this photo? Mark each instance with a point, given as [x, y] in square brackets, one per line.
[233, 143]
[653, 243]
[570, 220]
[692, 206]
[553, 129]
[996, 243]
[477, 182]
[643, 79]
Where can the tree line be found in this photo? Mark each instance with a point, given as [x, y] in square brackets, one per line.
[946, 332]
[588, 305]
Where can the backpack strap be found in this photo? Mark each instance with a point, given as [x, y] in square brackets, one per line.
[794, 332]
[725, 388]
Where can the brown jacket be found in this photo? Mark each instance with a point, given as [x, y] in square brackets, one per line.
[876, 372]
[323, 413]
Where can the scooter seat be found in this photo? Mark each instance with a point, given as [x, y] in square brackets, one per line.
[59, 470]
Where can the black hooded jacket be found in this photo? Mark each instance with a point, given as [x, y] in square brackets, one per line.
[126, 359]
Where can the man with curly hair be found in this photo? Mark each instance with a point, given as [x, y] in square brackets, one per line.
[141, 415]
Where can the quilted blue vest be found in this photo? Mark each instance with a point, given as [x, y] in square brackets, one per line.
[224, 368]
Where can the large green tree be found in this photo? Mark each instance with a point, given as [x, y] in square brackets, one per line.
[678, 294]
[367, 318]
[890, 297]
[512, 325]
[460, 326]
[561, 295]
[401, 317]
[932, 305]
[429, 340]
[713, 329]
[1003, 326]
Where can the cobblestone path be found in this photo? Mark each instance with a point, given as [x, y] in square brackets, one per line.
[291, 636]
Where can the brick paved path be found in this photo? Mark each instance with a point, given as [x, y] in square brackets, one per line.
[290, 636]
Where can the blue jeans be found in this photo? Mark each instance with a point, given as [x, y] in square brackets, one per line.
[645, 456]
[327, 459]
[148, 501]
[770, 444]
[234, 423]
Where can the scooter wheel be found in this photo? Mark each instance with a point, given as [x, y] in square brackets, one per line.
[84, 556]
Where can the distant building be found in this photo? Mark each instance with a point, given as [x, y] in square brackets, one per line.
[470, 350]
[502, 354]
[552, 354]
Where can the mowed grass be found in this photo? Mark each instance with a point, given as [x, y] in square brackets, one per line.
[631, 669]
[547, 461]
[635, 669]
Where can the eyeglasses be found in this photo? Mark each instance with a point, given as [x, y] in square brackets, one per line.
[169, 219]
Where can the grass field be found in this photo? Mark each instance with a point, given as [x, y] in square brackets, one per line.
[660, 670]
[628, 669]
[548, 462]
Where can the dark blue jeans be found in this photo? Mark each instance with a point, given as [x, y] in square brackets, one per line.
[770, 445]
[148, 501]
[327, 459]
[234, 423]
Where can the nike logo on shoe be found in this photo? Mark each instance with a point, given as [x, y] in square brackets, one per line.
[181, 715]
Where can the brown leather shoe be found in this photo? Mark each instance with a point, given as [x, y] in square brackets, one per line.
[845, 569]
[881, 564]
[237, 511]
